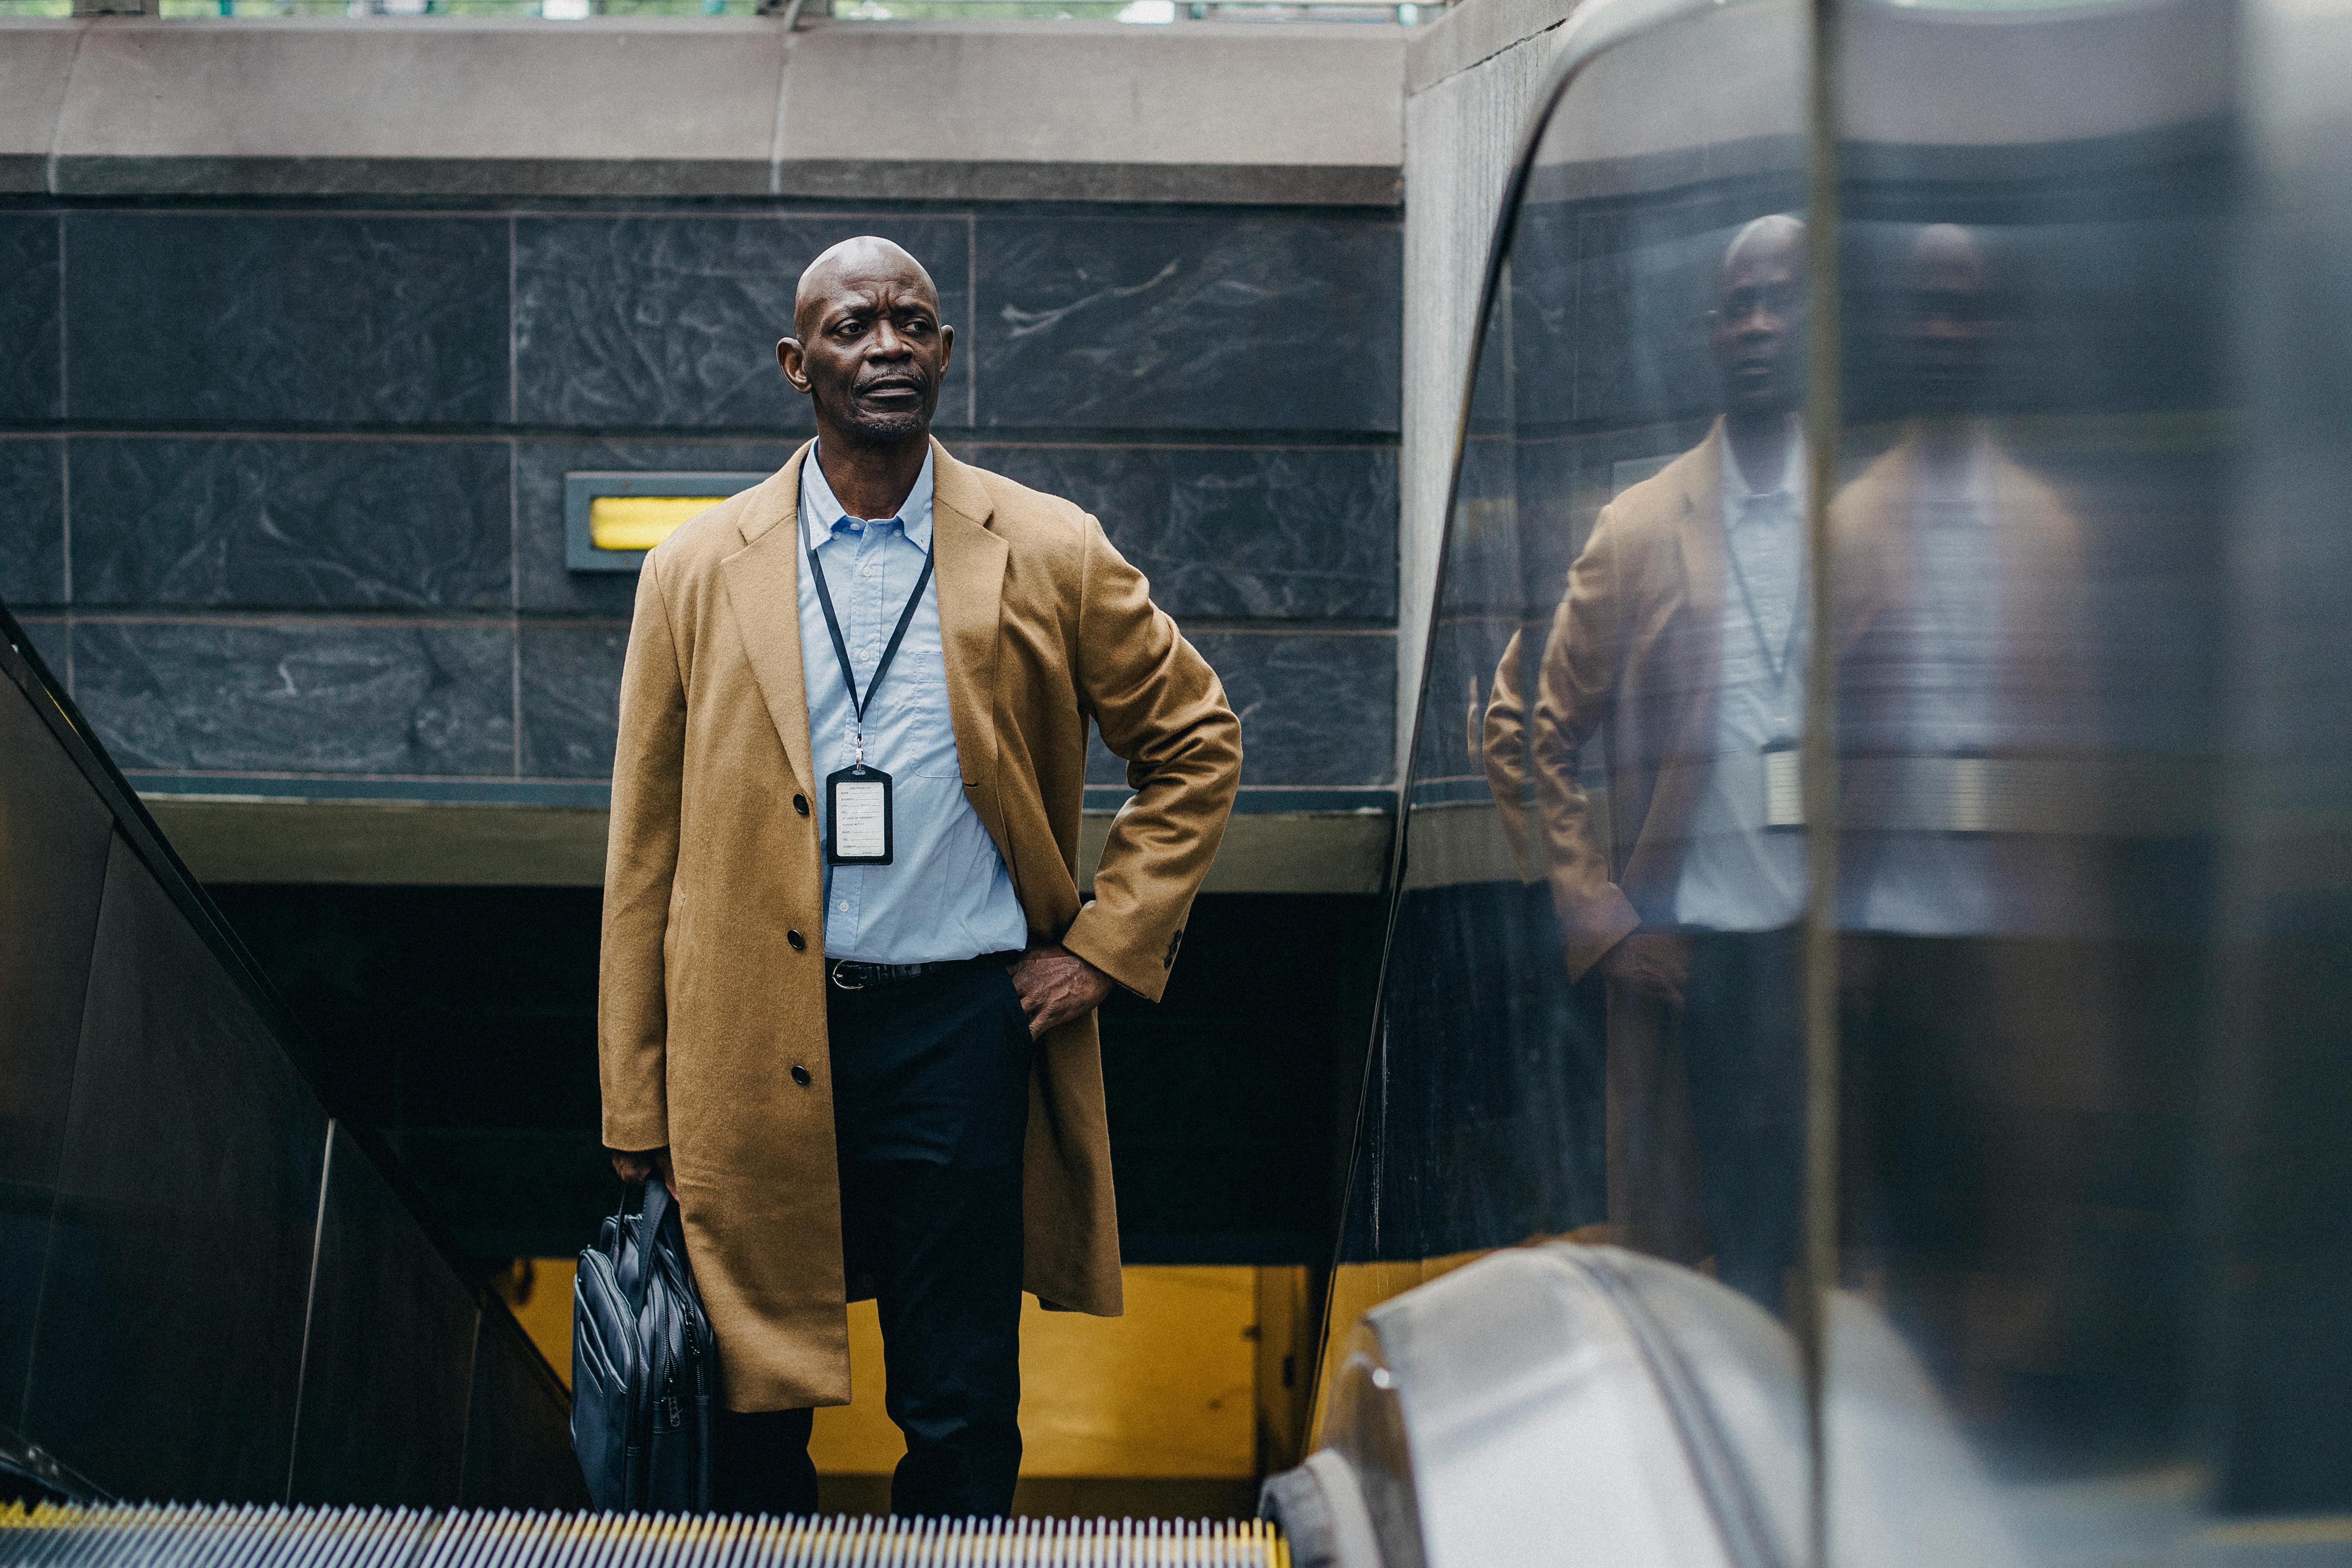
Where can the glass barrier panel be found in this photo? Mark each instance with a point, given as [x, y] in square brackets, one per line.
[1590, 1027]
[2030, 549]
[2278, 1098]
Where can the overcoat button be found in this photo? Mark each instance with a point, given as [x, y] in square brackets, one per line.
[800, 803]
[800, 1075]
[798, 940]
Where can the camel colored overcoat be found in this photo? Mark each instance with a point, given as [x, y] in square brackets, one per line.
[1633, 654]
[1635, 645]
[708, 1003]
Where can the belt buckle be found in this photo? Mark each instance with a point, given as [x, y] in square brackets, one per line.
[834, 974]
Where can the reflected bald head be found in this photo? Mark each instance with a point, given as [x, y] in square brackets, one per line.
[866, 259]
[1950, 250]
[1757, 330]
[1949, 321]
[1775, 239]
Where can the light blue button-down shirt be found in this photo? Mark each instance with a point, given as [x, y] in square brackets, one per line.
[945, 894]
[1944, 665]
[1737, 874]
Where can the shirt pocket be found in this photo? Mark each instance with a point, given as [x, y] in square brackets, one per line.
[925, 723]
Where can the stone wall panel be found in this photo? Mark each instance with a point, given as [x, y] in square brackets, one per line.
[1259, 532]
[666, 321]
[32, 522]
[570, 693]
[300, 319]
[30, 320]
[1313, 705]
[303, 697]
[1224, 323]
[291, 524]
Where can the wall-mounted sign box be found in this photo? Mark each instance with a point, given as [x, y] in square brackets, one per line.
[610, 519]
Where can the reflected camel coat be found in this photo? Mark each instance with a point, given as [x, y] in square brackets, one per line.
[707, 1005]
[1633, 654]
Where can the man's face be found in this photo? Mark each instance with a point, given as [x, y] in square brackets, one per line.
[1758, 331]
[870, 350]
[1947, 326]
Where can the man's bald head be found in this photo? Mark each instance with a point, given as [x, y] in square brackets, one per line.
[1757, 331]
[1948, 318]
[867, 346]
[1774, 238]
[868, 259]
[1949, 251]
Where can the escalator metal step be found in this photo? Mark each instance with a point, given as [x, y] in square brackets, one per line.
[175, 1535]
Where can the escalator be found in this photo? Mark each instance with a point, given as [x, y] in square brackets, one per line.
[1996, 1229]
[211, 1286]
[405, 1538]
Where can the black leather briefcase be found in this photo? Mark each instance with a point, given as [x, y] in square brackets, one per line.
[644, 1369]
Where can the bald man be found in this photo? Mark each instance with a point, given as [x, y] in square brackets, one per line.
[848, 985]
[1681, 642]
[1982, 1059]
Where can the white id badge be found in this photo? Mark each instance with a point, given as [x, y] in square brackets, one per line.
[1784, 788]
[857, 817]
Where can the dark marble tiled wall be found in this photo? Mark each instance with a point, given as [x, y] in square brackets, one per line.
[175, 318]
[281, 490]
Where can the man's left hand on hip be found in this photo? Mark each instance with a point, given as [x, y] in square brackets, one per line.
[1057, 987]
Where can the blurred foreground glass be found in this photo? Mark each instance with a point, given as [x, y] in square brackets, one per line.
[1590, 1027]
[2278, 1094]
[2031, 590]
[2091, 577]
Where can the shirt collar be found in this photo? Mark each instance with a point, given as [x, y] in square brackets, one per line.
[1962, 484]
[1736, 493]
[821, 510]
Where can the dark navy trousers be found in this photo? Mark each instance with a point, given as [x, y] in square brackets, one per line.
[931, 1085]
[1744, 1046]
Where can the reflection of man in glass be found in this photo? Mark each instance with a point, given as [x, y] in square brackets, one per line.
[1976, 1066]
[1681, 643]
[1962, 578]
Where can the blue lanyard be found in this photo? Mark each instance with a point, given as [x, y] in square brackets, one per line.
[858, 704]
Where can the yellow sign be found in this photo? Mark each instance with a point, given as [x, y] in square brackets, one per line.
[640, 522]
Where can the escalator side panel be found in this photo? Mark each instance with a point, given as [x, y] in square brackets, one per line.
[519, 1444]
[164, 1150]
[1534, 1416]
[170, 1333]
[370, 1432]
[53, 848]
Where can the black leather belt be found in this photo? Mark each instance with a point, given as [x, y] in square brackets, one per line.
[849, 974]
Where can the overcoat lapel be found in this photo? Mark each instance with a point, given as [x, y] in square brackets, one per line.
[968, 563]
[764, 589]
[1871, 546]
[1698, 539]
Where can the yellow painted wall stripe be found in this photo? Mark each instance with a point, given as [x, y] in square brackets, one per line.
[2305, 1530]
[640, 522]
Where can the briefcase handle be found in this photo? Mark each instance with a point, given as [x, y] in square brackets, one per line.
[655, 1204]
[633, 1267]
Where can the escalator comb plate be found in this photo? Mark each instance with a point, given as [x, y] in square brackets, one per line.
[152, 1535]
